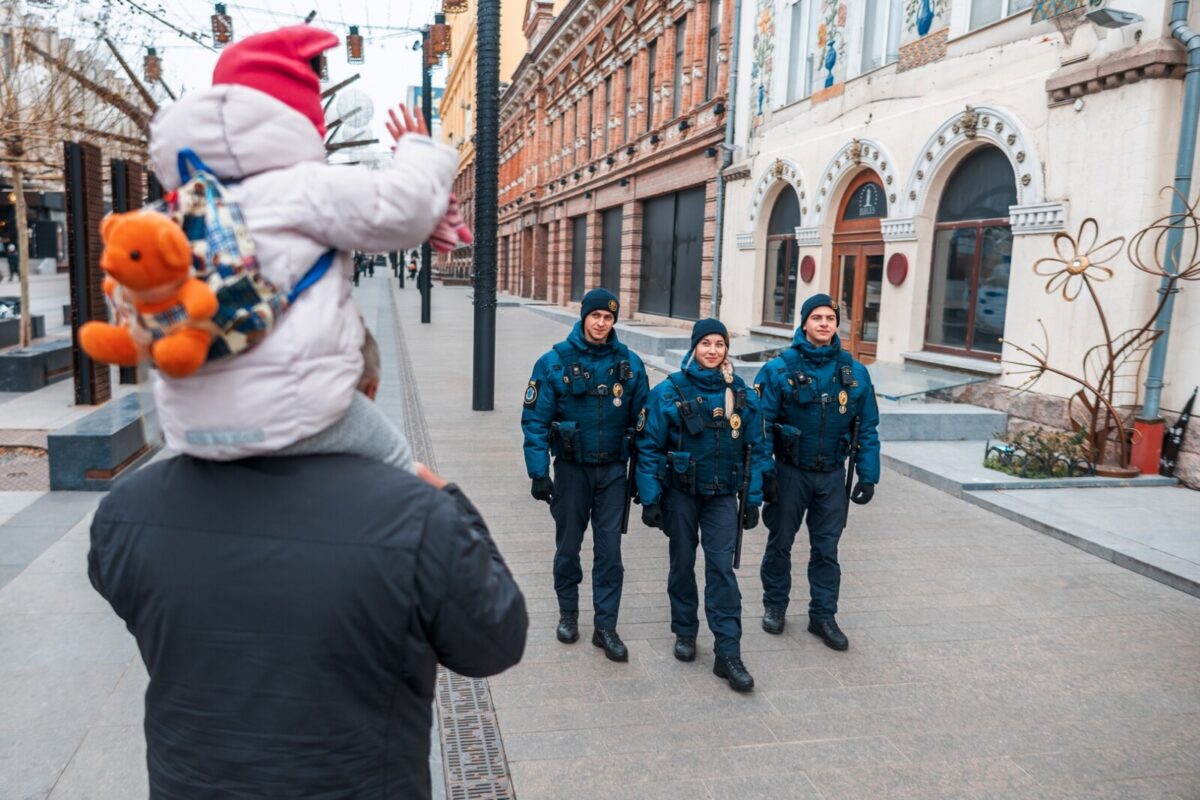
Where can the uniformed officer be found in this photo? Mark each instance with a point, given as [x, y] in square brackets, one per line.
[580, 406]
[700, 444]
[813, 396]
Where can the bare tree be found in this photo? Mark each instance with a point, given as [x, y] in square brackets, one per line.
[51, 91]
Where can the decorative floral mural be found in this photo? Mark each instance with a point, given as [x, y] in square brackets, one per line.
[764, 52]
[923, 16]
[831, 41]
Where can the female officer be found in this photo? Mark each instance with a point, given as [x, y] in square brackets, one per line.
[700, 444]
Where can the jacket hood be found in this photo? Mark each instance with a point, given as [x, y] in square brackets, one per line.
[814, 354]
[237, 131]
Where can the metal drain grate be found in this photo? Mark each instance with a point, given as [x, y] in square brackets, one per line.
[24, 466]
[472, 751]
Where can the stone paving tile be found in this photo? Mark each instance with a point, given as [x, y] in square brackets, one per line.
[1109, 764]
[32, 759]
[45, 696]
[110, 765]
[958, 780]
[763, 787]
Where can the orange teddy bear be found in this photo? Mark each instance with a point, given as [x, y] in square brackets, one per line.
[148, 260]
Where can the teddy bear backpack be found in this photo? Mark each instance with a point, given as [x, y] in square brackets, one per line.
[183, 280]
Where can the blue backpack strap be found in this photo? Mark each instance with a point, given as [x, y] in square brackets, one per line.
[314, 274]
[188, 162]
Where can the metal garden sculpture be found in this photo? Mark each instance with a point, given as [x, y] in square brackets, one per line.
[1103, 407]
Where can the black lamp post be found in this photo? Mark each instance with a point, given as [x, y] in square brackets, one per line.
[487, 159]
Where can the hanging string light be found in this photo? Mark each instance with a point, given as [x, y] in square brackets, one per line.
[152, 65]
[222, 26]
[354, 46]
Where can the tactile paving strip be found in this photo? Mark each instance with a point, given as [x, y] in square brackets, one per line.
[472, 751]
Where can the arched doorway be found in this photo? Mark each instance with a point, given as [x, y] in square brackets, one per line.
[783, 261]
[858, 264]
[972, 257]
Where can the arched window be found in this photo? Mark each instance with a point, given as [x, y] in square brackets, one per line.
[972, 257]
[783, 262]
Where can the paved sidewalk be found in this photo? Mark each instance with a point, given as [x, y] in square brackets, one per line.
[987, 660]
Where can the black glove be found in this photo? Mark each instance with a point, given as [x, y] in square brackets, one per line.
[863, 492]
[652, 516]
[770, 488]
[542, 489]
[750, 518]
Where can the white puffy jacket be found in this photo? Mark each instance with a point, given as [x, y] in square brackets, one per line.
[301, 378]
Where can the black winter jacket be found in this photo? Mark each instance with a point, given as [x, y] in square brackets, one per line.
[291, 612]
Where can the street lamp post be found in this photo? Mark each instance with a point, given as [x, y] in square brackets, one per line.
[487, 157]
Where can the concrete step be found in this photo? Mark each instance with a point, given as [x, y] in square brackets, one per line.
[925, 422]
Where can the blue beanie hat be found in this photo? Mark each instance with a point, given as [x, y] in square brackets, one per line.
[599, 300]
[706, 327]
[815, 302]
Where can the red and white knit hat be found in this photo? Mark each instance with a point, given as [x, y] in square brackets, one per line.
[277, 63]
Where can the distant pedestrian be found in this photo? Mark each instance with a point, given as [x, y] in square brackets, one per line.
[580, 406]
[413, 266]
[370, 259]
[815, 396]
[699, 432]
[13, 256]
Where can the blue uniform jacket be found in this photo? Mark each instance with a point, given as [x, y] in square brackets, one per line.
[711, 456]
[580, 386]
[805, 420]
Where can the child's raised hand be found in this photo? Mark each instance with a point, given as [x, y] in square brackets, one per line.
[405, 123]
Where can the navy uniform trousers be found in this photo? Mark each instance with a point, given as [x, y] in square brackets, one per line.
[711, 521]
[822, 496]
[583, 491]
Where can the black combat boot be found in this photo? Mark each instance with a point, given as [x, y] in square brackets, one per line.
[829, 632]
[773, 619]
[685, 648]
[608, 639]
[568, 626]
[733, 670]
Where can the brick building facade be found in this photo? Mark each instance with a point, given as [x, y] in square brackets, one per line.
[609, 151]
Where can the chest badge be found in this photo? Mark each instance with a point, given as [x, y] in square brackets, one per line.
[735, 425]
[843, 398]
[618, 390]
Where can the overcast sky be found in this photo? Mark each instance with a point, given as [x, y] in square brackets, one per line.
[391, 63]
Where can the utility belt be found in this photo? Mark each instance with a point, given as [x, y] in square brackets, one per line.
[565, 444]
[787, 440]
[678, 471]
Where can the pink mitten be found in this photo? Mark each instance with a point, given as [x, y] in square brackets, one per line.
[450, 230]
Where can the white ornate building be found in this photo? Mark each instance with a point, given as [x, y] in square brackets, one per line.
[914, 158]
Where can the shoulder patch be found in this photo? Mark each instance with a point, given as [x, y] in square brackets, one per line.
[531, 394]
[641, 420]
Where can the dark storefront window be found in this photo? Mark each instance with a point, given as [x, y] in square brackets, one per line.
[714, 43]
[677, 75]
[651, 77]
[610, 250]
[672, 254]
[578, 256]
[972, 257]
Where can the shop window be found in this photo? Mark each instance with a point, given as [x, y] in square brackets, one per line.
[972, 257]
[867, 202]
[985, 12]
[783, 260]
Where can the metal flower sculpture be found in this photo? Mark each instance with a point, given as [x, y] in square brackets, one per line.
[1079, 265]
[1103, 407]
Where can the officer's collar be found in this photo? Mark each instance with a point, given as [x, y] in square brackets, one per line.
[813, 353]
[579, 341]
